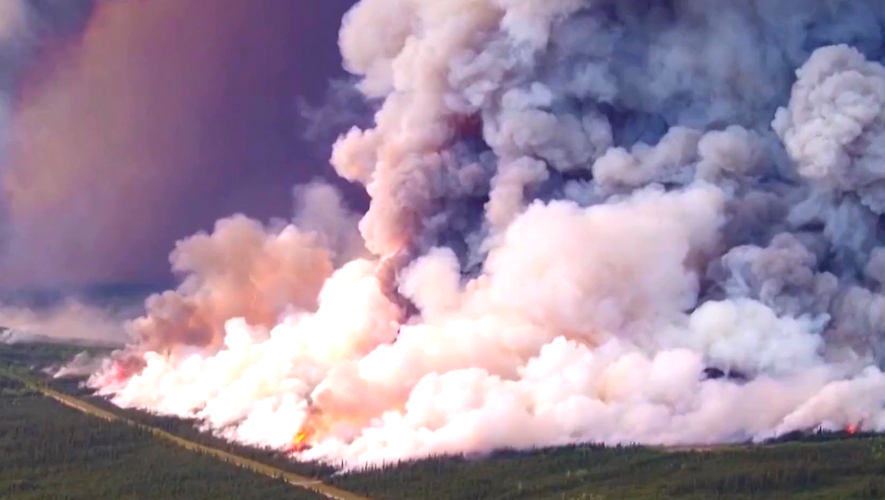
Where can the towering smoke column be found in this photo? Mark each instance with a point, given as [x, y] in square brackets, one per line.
[29, 28]
[587, 209]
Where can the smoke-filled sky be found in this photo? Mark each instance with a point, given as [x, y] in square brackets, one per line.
[167, 115]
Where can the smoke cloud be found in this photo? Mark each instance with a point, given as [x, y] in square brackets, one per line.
[590, 220]
[170, 115]
[243, 269]
[28, 29]
[70, 322]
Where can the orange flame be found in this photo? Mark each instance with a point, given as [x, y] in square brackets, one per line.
[299, 442]
[851, 429]
[299, 438]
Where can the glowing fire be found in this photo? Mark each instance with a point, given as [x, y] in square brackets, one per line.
[299, 442]
[851, 429]
[299, 438]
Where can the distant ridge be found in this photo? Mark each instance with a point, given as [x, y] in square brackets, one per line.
[15, 336]
[100, 294]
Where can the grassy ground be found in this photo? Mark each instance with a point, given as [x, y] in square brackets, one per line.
[840, 469]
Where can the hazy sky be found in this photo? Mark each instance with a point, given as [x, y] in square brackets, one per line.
[168, 115]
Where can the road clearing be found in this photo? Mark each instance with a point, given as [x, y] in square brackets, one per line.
[245, 463]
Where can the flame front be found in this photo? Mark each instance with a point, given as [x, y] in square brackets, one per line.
[302, 438]
[299, 438]
[851, 429]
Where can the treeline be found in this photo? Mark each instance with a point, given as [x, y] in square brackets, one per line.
[48, 451]
[41, 355]
[852, 469]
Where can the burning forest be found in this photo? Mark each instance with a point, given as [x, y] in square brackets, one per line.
[591, 221]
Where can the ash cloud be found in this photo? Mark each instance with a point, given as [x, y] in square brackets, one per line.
[28, 29]
[170, 115]
[578, 208]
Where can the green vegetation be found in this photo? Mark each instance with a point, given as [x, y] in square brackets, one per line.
[42, 355]
[39, 355]
[48, 451]
[850, 469]
[190, 430]
[800, 467]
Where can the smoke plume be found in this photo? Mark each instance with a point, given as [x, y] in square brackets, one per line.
[590, 220]
[170, 114]
[68, 322]
[28, 29]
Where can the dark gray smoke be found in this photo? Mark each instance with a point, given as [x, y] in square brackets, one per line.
[778, 103]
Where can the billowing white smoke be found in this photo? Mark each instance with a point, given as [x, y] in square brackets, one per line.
[590, 207]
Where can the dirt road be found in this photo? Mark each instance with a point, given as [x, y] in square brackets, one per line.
[85, 407]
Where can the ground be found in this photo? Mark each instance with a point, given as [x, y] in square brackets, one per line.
[48, 450]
